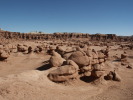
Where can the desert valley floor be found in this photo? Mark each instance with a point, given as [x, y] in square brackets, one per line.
[30, 76]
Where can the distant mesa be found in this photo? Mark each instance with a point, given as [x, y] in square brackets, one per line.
[35, 35]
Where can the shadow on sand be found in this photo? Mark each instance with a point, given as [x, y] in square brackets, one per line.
[130, 57]
[43, 67]
[117, 60]
[46, 66]
[88, 79]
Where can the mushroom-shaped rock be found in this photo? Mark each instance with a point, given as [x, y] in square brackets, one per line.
[98, 70]
[38, 49]
[97, 67]
[22, 48]
[97, 74]
[86, 68]
[80, 59]
[63, 73]
[113, 75]
[56, 60]
[3, 55]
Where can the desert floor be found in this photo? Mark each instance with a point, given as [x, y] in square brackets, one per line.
[24, 77]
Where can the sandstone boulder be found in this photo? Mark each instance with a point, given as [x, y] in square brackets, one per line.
[60, 50]
[1, 46]
[97, 67]
[30, 49]
[56, 60]
[97, 74]
[86, 68]
[113, 75]
[22, 48]
[124, 57]
[89, 53]
[66, 56]
[38, 49]
[80, 59]
[101, 55]
[117, 77]
[98, 70]
[129, 66]
[70, 62]
[3, 55]
[63, 73]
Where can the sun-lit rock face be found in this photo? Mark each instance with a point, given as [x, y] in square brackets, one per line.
[80, 62]
[65, 72]
[56, 60]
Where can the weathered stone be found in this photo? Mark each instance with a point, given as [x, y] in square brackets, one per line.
[101, 60]
[3, 55]
[117, 77]
[30, 49]
[129, 66]
[21, 48]
[80, 59]
[101, 55]
[86, 68]
[97, 73]
[89, 53]
[88, 73]
[56, 61]
[63, 73]
[67, 55]
[113, 75]
[55, 54]
[110, 76]
[94, 61]
[124, 57]
[94, 55]
[97, 67]
[60, 50]
[70, 62]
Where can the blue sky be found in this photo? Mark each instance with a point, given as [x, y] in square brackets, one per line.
[86, 16]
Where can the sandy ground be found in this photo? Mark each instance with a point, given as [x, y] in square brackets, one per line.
[20, 80]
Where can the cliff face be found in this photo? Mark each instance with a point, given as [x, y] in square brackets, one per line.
[64, 36]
